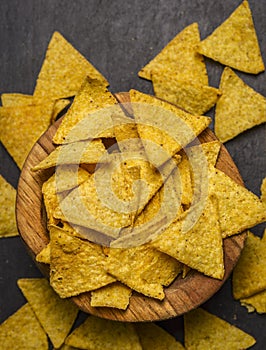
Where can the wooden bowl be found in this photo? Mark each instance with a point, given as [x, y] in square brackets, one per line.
[181, 296]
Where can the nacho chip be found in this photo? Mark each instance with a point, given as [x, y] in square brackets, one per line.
[210, 149]
[59, 106]
[91, 97]
[179, 58]
[249, 276]
[114, 295]
[56, 315]
[234, 43]
[98, 334]
[63, 70]
[239, 108]
[44, 255]
[8, 226]
[263, 191]
[76, 265]
[206, 331]
[256, 302]
[156, 338]
[21, 128]
[22, 331]
[191, 96]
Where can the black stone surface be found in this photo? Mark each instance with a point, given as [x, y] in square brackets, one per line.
[119, 37]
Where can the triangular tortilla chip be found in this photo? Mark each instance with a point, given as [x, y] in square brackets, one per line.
[63, 70]
[98, 334]
[91, 97]
[206, 331]
[234, 43]
[193, 97]
[249, 276]
[210, 149]
[22, 331]
[21, 127]
[156, 338]
[76, 265]
[8, 226]
[56, 315]
[45, 255]
[256, 302]
[239, 108]
[179, 58]
[239, 209]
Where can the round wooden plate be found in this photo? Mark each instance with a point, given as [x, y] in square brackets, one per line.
[181, 296]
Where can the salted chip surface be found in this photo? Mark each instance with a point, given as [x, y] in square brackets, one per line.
[179, 58]
[234, 43]
[98, 334]
[77, 265]
[156, 338]
[56, 315]
[8, 226]
[193, 97]
[22, 331]
[206, 331]
[44, 255]
[239, 108]
[91, 97]
[249, 276]
[63, 70]
[239, 209]
[256, 302]
[115, 295]
[21, 127]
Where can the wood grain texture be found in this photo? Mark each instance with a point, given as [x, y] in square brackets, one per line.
[180, 297]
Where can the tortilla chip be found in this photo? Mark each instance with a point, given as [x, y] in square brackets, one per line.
[44, 255]
[250, 271]
[63, 70]
[185, 270]
[21, 127]
[179, 58]
[210, 149]
[234, 43]
[263, 191]
[256, 302]
[98, 334]
[56, 315]
[91, 97]
[22, 331]
[8, 226]
[76, 265]
[201, 247]
[239, 209]
[206, 331]
[59, 106]
[114, 295]
[191, 96]
[88, 152]
[156, 338]
[184, 171]
[239, 108]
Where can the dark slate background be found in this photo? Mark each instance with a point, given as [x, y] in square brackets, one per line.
[119, 37]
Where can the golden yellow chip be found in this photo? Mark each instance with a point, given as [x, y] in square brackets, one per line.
[98, 334]
[76, 266]
[156, 338]
[249, 276]
[191, 96]
[59, 106]
[115, 295]
[63, 70]
[210, 149]
[21, 127]
[234, 43]
[44, 255]
[239, 108]
[256, 302]
[206, 331]
[184, 171]
[91, 97]
[22, 331]
[179, 58]
[263, 191]
[201, 246]
[8, 226]
[56, 315]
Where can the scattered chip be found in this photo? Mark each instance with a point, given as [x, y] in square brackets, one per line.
[56, 315]
[206, 331]
[44, 255]
[249, 276]
[8, 226]
[239, 108]
[234, 43]
[63, 70]
[113, 295]
[22, 331]
[256, 302]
